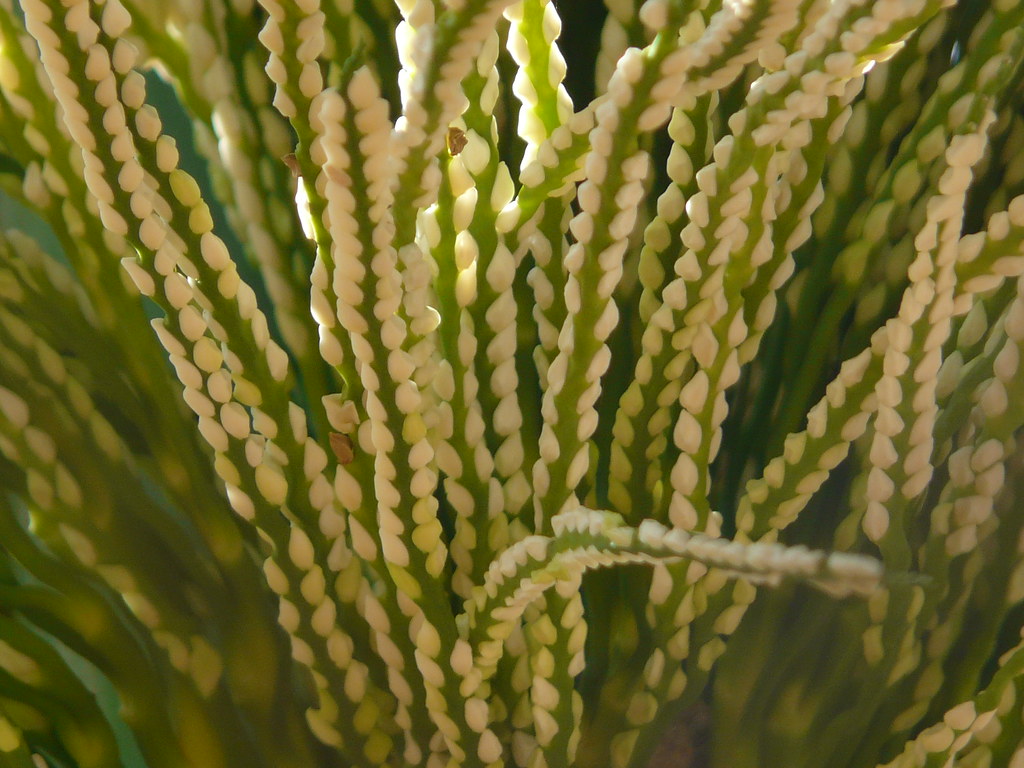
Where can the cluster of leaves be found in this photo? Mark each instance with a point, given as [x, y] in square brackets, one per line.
[487, 413]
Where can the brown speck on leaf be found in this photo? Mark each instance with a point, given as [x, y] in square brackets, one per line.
[342, 447]
[456, 139]
[687, 742]
[293, 164]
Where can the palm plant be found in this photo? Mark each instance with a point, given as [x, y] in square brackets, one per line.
[523, 393]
